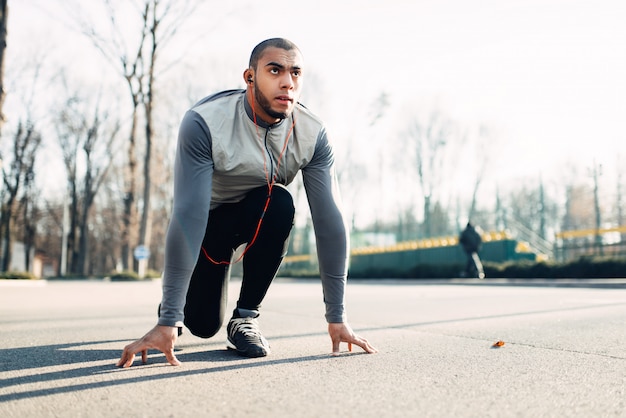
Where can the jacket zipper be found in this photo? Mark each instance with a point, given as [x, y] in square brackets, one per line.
[269, 152]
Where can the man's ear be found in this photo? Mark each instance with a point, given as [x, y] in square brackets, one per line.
[248, 76]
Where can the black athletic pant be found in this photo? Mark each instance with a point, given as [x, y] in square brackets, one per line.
[229, 226]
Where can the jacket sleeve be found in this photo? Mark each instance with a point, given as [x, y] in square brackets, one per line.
[330, 231]
[193, 175]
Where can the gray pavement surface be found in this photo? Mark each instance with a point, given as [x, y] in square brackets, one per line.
[564, 353]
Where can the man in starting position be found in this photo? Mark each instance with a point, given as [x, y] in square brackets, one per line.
[237, 150]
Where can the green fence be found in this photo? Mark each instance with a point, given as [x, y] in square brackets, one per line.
[407, 255]
[494, 251]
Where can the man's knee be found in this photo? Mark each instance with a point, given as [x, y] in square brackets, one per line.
[203, 328]
[203, 321]
[281, 209]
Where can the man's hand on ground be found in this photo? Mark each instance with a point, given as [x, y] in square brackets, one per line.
[342, 333]
[160, 338]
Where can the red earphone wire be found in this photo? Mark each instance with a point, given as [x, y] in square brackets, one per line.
[270, 185]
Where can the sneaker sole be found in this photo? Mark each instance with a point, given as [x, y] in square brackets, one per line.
[231, 346]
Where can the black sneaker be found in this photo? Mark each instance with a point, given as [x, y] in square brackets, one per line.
[245, 337]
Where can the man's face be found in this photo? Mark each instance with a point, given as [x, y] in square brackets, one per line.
[277, 83]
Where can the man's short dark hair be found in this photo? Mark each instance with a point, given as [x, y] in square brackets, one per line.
[258, 50]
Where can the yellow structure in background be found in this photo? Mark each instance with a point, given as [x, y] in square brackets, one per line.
[521, 246]
[410, 245]
[427, 243]
[580, 233]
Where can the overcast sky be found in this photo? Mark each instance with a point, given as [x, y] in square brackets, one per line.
[548, 76]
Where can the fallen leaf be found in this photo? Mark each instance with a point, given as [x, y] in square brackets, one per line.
[498, 344]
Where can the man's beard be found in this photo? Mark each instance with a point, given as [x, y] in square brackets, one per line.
[265, 105]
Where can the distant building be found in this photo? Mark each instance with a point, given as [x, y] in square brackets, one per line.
[40, 264]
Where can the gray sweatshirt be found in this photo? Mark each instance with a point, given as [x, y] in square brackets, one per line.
[219, 158]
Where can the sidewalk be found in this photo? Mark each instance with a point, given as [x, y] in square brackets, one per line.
[564, 354]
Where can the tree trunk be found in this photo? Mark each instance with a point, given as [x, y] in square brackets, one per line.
[144, 230]
[83, 243]
[427, 217]
[72, 243]
[129, 218]
[3, 45]
[8, 238]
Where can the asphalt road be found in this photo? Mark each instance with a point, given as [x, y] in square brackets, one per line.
[564, 353]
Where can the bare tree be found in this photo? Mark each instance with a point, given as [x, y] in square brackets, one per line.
[352, 172]
[4, 9]
[481, 157]
[94, 136]
[619, 199]
[29, 218]
[105, 224]
[20, 208]
[431, 140]
[19, 173]
[578, 208]
[104, 247]
[160, 20]
[596, 173]
[162, 203]
[50, 231]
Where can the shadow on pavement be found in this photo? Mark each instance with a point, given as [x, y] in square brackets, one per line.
[108, 370]
[59, 355]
